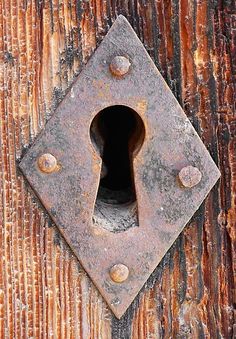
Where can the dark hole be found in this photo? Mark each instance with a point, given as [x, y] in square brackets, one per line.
[117, 133]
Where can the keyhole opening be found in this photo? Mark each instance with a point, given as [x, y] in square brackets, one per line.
[117, 133]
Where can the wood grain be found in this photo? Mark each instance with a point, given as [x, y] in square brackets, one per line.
[43, 290]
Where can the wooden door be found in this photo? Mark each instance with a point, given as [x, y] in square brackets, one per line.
[44, 292]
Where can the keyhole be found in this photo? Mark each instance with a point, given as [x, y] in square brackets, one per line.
[117, 132]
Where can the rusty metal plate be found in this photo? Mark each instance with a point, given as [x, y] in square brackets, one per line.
[119, 263]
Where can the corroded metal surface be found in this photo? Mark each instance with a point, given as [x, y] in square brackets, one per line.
[170, 144]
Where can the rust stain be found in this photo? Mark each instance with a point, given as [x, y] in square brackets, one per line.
[142, 106]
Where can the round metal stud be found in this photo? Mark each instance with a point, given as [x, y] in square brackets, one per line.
[119, 273]
[47, 163]
[119, 65]
[190, 176]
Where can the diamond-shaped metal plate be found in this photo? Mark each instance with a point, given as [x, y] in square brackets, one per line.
[170, 144]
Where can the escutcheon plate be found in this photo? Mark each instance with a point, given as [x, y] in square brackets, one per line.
[171, 143]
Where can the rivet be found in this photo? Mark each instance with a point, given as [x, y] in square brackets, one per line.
[119, 65]
[47, 163]
[119, 273]
[190, 176]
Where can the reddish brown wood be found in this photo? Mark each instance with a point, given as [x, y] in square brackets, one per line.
[43, 290]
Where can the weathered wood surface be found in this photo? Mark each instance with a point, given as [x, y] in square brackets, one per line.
[43, 290]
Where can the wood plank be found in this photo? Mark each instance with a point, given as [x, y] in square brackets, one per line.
[43, 290]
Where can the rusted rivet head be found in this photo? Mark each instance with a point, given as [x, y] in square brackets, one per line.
[47, 163]
[119, 65]
[190, 176]
[119, 273]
